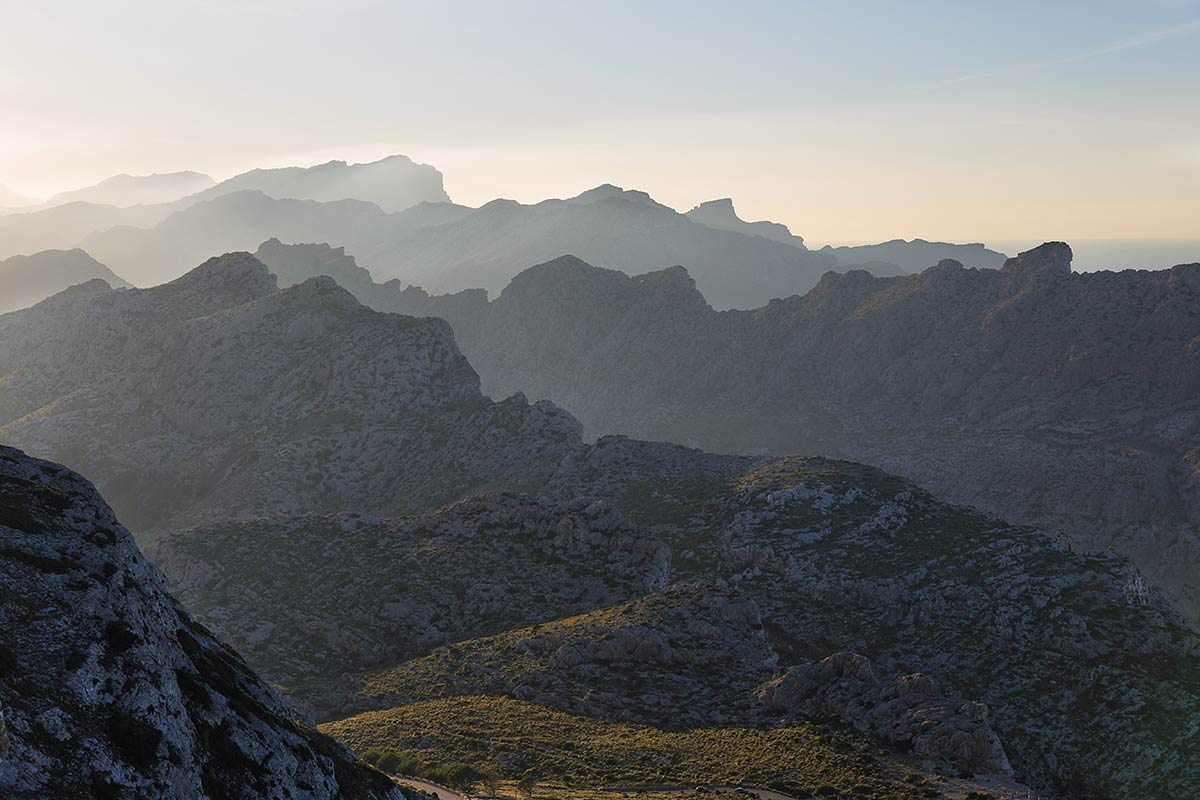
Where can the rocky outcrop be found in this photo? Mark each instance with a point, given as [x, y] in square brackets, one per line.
[908, 711]
[26, 280]
[219, 396]
[108, 688]
[720, 214]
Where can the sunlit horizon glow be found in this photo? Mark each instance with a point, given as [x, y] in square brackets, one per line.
[857, 123]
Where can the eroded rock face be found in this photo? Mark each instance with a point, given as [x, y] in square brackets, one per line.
[907, 711]
[108, 688]
[218, 396]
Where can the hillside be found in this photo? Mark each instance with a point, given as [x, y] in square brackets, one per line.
[25, 280]
[109, 689]
[1046, 396]
[217, 396]
[801, 588]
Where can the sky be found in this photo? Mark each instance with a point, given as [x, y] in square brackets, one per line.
[849, 121]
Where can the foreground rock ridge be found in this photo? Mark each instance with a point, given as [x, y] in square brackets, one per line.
[1046, 396]
[109, 689]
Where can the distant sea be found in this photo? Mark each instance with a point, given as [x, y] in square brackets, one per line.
[1093, 254]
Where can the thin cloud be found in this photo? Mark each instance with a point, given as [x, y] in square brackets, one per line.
[1141, 40]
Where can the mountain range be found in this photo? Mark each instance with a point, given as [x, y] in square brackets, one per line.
[327, 489]
[1050, 397]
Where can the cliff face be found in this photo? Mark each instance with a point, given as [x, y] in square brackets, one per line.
[109, 689]
[1051, 397]
[218, 396]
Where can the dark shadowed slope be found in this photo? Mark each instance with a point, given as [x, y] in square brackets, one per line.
[109, 689]
[219, 396]
[25, 280]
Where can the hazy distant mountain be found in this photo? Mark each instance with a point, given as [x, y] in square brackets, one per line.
[64, 227]
[720, 214]
[916, 255]
[11, 199]
[138, 700]
[219, 396]
[1059, 398]
[25, 280]
[133, 190]
[231, 222]
[393, 183]
[619, 229]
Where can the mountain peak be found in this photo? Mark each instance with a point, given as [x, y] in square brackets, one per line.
[221, 282]
[1051, 259]
[720, 214]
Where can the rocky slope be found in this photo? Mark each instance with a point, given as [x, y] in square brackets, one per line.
[109, 689]
[810, 588]
[389, 590]
[219, 396]
[25, 280]
[1046, 396]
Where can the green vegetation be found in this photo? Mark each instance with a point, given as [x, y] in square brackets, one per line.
[531, 744]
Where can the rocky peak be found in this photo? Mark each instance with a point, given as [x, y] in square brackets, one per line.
[220, 282]
[1052, 259]
[109, 689]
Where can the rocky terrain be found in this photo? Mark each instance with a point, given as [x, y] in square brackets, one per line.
[25, 280]
[109, 689]
[390, 590]
[220, 396]
[1046, 396]
[800, 588]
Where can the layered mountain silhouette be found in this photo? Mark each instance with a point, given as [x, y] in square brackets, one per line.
[392, 183]
[1050, 397]
[110, 689]
[137, 190]
[11, 199]
[25, 280]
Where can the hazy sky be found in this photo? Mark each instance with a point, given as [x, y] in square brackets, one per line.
[849, 121]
